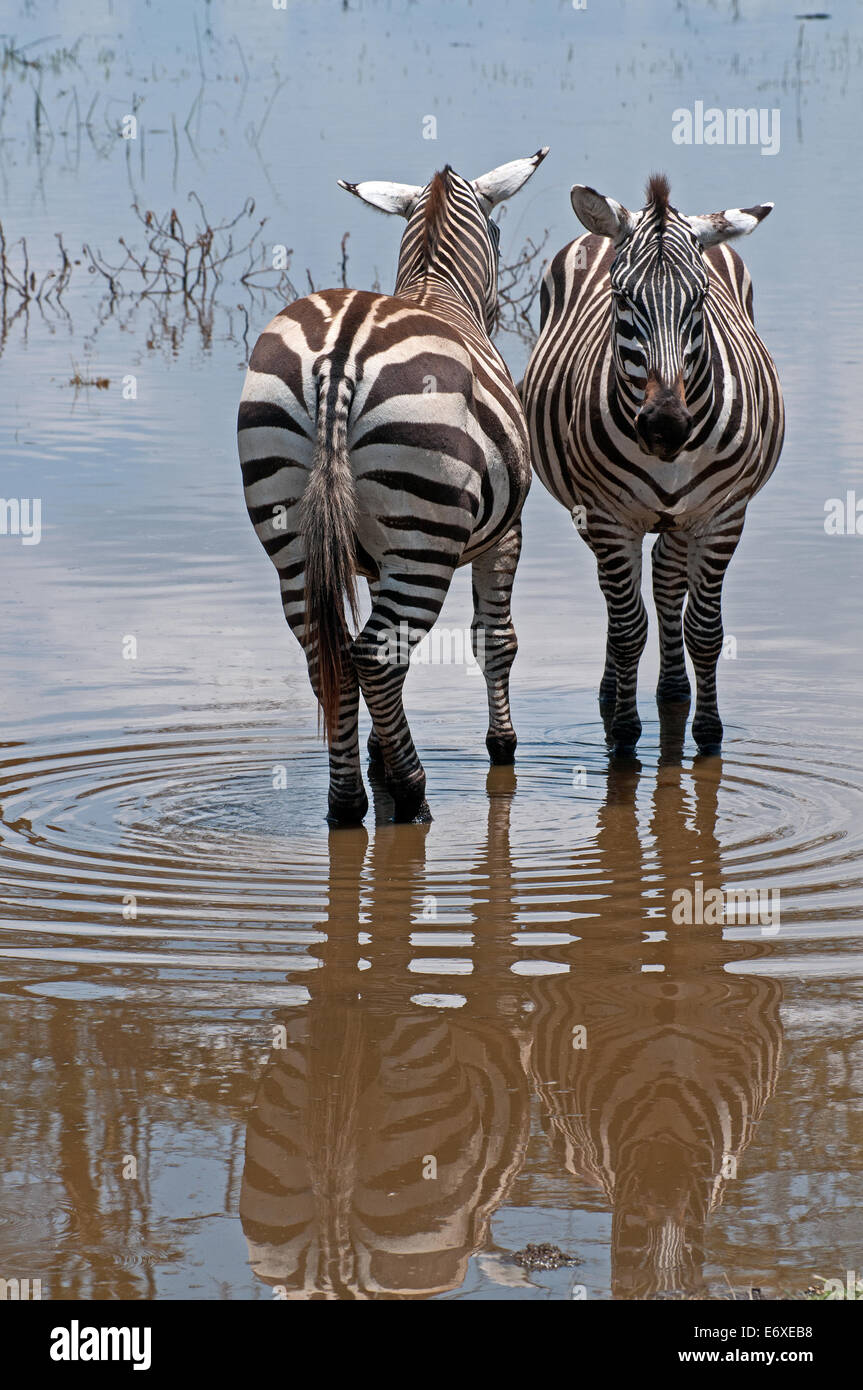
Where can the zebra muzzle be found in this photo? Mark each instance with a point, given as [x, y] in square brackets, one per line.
[663, 430]
[663, 424]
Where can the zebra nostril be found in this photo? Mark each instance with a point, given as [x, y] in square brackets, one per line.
[663, 426]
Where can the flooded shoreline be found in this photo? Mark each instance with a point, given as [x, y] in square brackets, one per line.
[247, 1058]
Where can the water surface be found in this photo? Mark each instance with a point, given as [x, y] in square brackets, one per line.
[244, 1057]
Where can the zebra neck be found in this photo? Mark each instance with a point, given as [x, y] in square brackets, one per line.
[432, 290]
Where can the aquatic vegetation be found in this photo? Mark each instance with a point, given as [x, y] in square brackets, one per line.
[188, 272]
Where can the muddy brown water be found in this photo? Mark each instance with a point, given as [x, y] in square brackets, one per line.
[245, 1057]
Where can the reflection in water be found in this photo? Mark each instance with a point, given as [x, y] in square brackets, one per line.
[387, 1131]
[658, 1105]
[384, 1134]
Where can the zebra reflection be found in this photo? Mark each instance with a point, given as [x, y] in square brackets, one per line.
[657, 1099]
[384, 1134]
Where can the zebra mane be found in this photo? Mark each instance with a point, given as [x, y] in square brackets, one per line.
[657, 192]
[445, 240]
[434, 209]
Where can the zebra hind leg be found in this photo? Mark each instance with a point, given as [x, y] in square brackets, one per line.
[347, 799]
[618, 559]
[494, 640]
[381, 657]
[373, 746]
[702, 624]
[669, 560]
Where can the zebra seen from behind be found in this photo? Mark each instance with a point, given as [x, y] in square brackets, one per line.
[653, 406]
[382, 436]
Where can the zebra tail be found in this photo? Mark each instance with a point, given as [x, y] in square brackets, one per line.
[328, 518]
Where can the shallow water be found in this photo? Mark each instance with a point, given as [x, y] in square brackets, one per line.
[244, 1054]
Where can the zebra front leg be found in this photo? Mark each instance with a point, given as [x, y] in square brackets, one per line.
[493, 637]
[608, 685]
[669, 590]
[618, 559]
[381, 657]
[709, 556]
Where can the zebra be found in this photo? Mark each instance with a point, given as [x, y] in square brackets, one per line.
[382, 436]
[654, 407]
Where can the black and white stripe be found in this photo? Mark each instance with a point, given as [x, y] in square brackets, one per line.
[653, 406]
[382, 436]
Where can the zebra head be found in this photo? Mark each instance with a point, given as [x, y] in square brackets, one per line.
[450, 237]
[659, 287]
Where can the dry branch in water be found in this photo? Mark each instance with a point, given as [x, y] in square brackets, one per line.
[186, 268]
[517, 288]
[192, 265]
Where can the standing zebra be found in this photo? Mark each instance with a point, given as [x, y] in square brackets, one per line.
[653, 406]
[382, 436]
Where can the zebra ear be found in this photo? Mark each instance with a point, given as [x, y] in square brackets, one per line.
[507, 179]
[389, 197]
[715, 227]
[599, 214]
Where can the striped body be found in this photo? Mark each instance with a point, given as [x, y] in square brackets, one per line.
[434, 429]
[653, 406]
[382, 436]
[384, 1134]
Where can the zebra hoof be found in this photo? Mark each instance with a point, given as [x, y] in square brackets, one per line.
[409, 798]
[624, 737]
[623, 750]
[501, 749]
[409, 813]
[342, 813]
[707, 733]
[709, 750]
